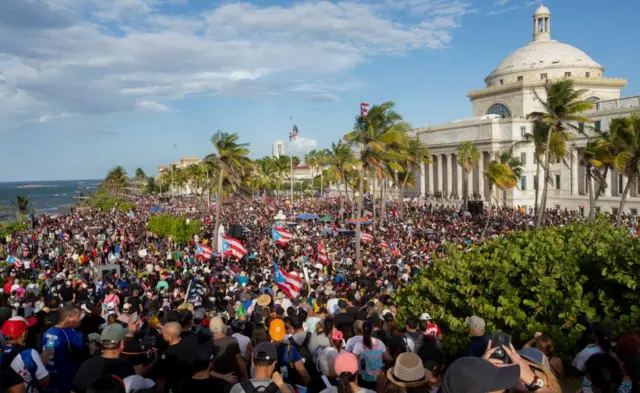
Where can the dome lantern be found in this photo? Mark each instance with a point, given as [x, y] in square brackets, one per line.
[542, 24]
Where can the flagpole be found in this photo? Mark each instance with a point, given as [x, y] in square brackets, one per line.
[291, 174]
[186, 296]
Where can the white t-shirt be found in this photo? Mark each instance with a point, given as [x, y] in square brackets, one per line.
[359, 349]
[332, 306]
[18, 366]
[351, 343]
[584, 355]
[243, 341]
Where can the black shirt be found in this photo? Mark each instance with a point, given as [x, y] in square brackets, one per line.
[209, 385]
[91, 324]
[135, 303]
[317, 384]
[67, 294]
[477, 347]
[133, 351]
[9, 379]
[176, 364]
[97, 366]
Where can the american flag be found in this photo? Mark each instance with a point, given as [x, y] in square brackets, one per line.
[288, 283]
[203, 251]
[294, 133]
[233, 247]
[322, 253]
[364, 108]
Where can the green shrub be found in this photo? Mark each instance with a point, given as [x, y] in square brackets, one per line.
[126, 206]
[176, 227]
[552, 280]
[8, 228]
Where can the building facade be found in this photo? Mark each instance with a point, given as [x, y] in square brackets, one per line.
[278, 149]
[499, 121]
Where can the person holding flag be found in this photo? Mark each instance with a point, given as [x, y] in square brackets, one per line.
[281, 236]
[233, 247]
[289, 283]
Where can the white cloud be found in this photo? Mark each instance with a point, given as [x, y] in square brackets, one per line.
[304, 145]
[152, 106]
[97, 56]
[49, 117]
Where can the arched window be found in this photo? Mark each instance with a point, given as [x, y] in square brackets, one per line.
[593, 99]
[499, 109]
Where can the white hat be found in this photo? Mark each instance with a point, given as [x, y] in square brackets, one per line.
[111, 306]
[133, 383]
[425, 317]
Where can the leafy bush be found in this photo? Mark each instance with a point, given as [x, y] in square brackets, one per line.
[8, 228]
[176, 227]
[126, 206]
[553, 280]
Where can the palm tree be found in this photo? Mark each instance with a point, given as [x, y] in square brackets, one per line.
[514, 164]
[232, 159]
[597, 155]
[562, 107]
[625, 139]
[282, 167]
[371, 138]
[23, 205]
[140, 175]
[502, 176]
[468, 156]
[116, 180]
[413, 154]
[339, 158]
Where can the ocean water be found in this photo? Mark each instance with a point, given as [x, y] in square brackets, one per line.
[48, 197]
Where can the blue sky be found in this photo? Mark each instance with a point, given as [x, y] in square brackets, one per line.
[89, 84]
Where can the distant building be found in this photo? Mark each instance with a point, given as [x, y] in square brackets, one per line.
[278, 148]
[302, 172]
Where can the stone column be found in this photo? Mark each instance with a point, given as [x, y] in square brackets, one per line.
[575, 163]
[439, 170]
[459, 174]
[430, 169]
[449, 160]
[423, 177]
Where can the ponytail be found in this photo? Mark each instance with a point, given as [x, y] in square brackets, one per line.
[344, 382]
[367, 329]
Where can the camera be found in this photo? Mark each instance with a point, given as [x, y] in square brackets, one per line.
[498, 340]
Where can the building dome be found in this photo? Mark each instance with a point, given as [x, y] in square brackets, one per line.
[544, 53]
[538, 55]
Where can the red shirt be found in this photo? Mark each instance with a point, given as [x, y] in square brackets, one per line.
[433, 329]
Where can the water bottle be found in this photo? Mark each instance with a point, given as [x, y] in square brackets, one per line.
[50, 348]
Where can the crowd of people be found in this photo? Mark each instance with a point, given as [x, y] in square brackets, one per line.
[95, 302]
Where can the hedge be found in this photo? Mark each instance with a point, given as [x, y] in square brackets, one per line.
[176, 227]
[553, 280]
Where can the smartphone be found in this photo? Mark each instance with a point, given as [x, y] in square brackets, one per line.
[498, 340]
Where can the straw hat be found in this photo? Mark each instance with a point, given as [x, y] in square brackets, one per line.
[408, 371]
[264, 300]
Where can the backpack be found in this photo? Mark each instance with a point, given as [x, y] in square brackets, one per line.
[288, 369]
[371, 363]
[307, 357]
[10, 353]
[249, 387]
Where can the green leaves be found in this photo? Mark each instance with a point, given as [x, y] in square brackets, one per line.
[176, 227]
[549, 280]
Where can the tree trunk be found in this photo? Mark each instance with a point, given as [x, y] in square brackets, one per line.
[373, 203]
[623, 200]
[486, 226]
[382, 202]
[321, 183]
[592, 205]
[218, 210]
[359, 213]
[465, 190]
[547, 170]
[537, 188]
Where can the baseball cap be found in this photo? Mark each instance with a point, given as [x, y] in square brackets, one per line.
[425, 316]
[475, 322]
[265, 351]
[16, 326]
[113, 334]
[337, 335]
[477, 375]
[276, 330]
[534, 356]
[346, 362]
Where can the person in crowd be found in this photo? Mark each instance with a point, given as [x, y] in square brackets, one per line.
[176, 362]
[11, 382]
[24, 361]
[305, 342]
[266, 378]
[229, 358]
[407, 374]
[327, 376]
[63, 349]
[605, 375]
[358, 331]
[371, 352]
[202, 380]
[109, 362]
[290, 361]
[479, 338]
[544, 343]
[347, 369]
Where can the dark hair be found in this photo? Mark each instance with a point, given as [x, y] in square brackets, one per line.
[344, 382]
[263, 363]
[107, 384]
[367, 330]
[65, 312]
[412, 323]
[328, 326]
[603, 336]
[604, 372]
[296, 321]
[259, 335]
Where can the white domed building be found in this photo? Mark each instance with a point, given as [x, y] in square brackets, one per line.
[499, 120]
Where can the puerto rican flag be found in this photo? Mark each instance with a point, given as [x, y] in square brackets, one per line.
[203, 251]
[322, 253]
[233, 247]
[65, 236]
[288, 283]
[281, 236]
[364, 109]
[394, 249]
[335, 229]
[365, 237]
[14, 261]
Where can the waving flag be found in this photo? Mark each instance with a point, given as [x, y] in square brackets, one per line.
[14, 261]
[364, 109]
[195, 292]
[288, 283]
[281, 236]
[394, 249]
[204, 252]
[335, 229]
[233, 247]
[294, 133]
[65, 236]
[322, 253]
[365, 237]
